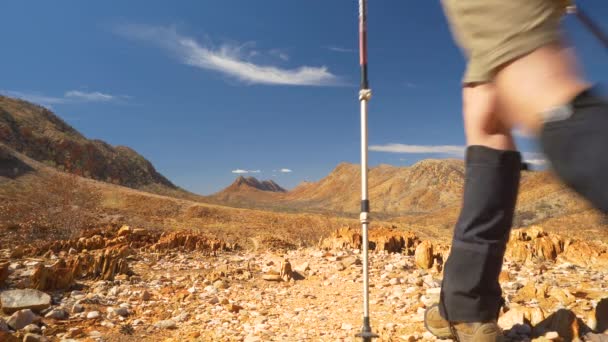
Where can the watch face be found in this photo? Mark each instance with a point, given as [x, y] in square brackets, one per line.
[558, 113]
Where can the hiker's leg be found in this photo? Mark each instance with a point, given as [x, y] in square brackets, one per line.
[470, 290]
[545, 92]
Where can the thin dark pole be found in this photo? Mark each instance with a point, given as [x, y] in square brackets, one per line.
[365, 95]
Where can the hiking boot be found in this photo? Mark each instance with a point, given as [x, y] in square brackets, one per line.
[462, 332]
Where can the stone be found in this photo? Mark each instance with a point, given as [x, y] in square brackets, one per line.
[15, 300]
[124, 312]
[77, 308]
[424, 255]
[166, 324]
[32, 328]
[124, 231]
[346, 326]
[93, 315]
[29, 337]
[58, 314]
[220, 284]
[60, 275]
[146, 296]
[302, 268]
[22, 318]
[286, 271]
[350, 260]
[234, 308]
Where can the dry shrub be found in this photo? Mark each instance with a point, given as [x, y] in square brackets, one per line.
[55, 206]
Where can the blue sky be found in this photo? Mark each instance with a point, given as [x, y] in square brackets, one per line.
[204, 89]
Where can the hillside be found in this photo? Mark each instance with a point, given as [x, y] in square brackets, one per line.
[427, 193]
[39, 134]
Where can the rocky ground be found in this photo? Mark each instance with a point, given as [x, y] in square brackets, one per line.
[132, 285]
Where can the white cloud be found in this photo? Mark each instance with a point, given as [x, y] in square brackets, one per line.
[280, 54]
[37, 98]
[340, 49]
[285, 170]
[71, 96]
[241, 171]
[94, 96]
[534, 158]
[416, 149]
[227, 59]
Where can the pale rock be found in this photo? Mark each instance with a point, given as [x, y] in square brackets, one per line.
[58, 314]
[346, 326]
[15, 300]
[29, 337]
[32, 328]
[93, 315]
[22, 318]
[77, 308]
[166, 324]
[424, 255]
[220, 285]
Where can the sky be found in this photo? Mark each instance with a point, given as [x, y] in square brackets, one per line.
[210, 90]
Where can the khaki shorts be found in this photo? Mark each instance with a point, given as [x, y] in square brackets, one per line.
[494, 32]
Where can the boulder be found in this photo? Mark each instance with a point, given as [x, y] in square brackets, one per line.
[424, 255]
[15, 300]
[21, 319]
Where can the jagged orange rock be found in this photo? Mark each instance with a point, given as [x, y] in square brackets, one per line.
[394, 241]
[190, 242]
[286, 271]
[345, 237]
[124, 231]
[57, 276]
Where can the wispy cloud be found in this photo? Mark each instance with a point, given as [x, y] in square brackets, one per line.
[71, 96]
[241, 171]
[285, 170]
[340, 49]
[37, 98]
[228, 59]
[419, 149]
[533, 158]
[94, 96]
[280, 54]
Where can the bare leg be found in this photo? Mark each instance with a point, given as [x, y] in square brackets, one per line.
[470, 290]
[482, 124]
[573, 138]
[535, 83]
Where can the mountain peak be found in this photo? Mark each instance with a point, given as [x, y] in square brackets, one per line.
[251, 182]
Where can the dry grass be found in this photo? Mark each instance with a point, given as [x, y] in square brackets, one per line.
[51, 207]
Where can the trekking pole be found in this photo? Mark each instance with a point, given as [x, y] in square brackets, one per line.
[593, 27]
[365, 95]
